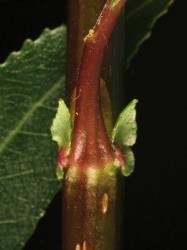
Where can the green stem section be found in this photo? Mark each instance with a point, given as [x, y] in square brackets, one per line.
[91, 209]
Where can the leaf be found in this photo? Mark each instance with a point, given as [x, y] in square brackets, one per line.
[125, 130]
[124, 135]
[141, 16]
[61, 133]
[31, 82]
[61, 126]
[129, 162]
[59, 173]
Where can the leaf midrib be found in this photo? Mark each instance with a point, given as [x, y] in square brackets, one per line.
[138, 9]
[29, 113]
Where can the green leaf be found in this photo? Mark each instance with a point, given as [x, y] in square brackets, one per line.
[125, 130]
[31, 82]
[59, 173]
[61, 126]
[129, 161]
[141, 16]
[61, 132]
[124, 135]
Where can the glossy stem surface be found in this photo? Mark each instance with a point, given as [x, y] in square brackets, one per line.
[91, 190]
[82, 15]
[90, 142]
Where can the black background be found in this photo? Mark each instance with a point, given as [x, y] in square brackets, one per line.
[156, 199]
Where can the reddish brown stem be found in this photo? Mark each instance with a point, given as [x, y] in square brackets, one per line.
[91, 185]
[82, 15]
[90, 144]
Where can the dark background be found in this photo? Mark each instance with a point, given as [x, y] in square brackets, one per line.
[156, 199]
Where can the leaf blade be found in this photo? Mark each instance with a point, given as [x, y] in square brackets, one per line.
[125, 130]
[30, 84]
[61, 126]
[141, 16]
[128, 168]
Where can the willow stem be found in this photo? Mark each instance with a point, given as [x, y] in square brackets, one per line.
[87, 145]
[91, 181]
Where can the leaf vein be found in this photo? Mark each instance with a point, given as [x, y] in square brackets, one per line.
[30, 112]
[138, 9]
[10, 176]
[34, 133]
[2, 222]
